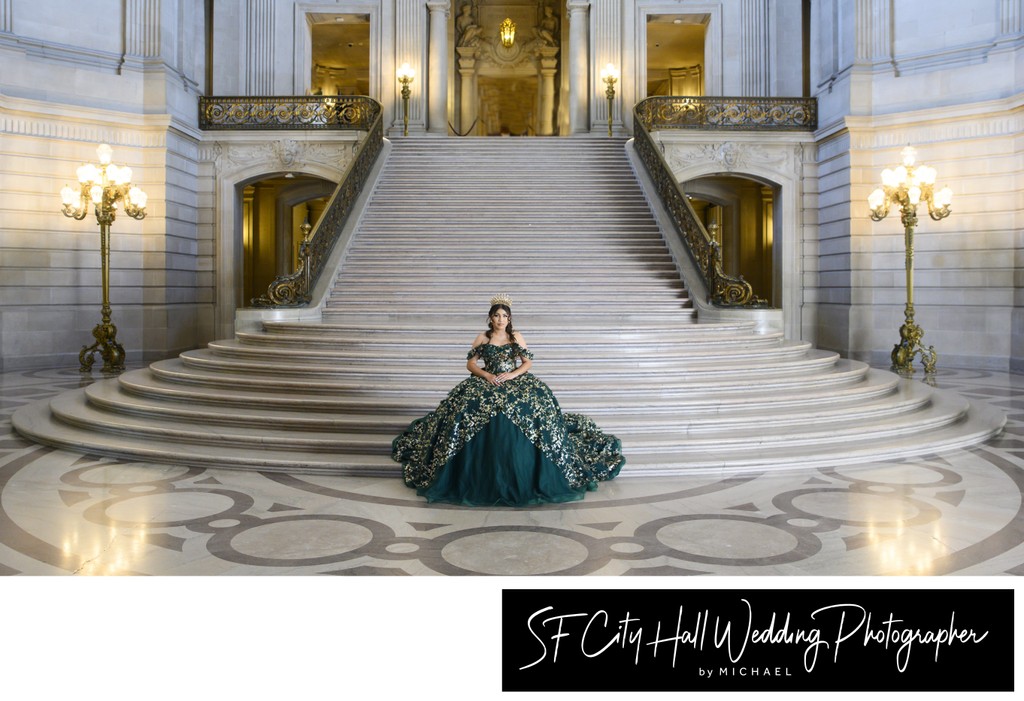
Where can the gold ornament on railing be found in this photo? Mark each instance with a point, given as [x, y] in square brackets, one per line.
[295, 289]
[723, 290]
[104, 187]
[906, 187]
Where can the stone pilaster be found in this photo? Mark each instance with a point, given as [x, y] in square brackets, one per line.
[874, 39]
[755, 53]
[437, 82]
[259, 47]
[548, 68]
[6, 17]
[142, 28]
[410, 28]
[579, 52]
[467, 77]
[607, 15]
[1011, 16]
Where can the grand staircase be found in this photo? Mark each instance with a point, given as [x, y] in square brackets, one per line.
[563, 227]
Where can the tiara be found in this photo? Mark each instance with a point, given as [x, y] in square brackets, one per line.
[501, 299]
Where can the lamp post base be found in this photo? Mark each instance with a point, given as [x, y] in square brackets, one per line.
[107, 346]
[904, 352]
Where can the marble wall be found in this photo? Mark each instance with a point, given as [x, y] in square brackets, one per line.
[124, 73]
[946, 79]
[943, 75]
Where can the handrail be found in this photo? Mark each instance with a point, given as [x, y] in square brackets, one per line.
[709, 113]
[307, 112]
[349, 112]
[729, 113]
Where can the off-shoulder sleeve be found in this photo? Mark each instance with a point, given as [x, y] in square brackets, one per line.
[474, 352]
[524, 352]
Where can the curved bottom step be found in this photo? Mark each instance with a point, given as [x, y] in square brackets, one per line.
[37, 422]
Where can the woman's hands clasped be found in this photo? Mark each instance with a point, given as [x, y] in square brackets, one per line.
[498, 380]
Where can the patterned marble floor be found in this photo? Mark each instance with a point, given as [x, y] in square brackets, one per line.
[960, 513]
[63, 513]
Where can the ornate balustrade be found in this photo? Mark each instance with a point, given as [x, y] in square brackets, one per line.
[314, 112]
[299, 112]
[656, 113]
[744, 113]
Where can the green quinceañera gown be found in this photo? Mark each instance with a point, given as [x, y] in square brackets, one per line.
[506, 445]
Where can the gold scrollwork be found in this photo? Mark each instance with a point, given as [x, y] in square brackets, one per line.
[775, 113]
[315, 112]
[723, 290]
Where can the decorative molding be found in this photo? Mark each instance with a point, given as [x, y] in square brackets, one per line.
[102, 61]
[731, 156]
[33, 118]
[276, 155]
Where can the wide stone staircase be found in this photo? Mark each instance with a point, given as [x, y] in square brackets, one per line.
[563, 227]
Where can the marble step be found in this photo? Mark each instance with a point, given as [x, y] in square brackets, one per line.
[194, 368]
[591, 359]
[38, 422]
[111, 396]
[75, 409]
[661, 329]
[710, 399]
[409, 344]
[432, 317]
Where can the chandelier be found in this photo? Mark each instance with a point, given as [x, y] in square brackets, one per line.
[508, 33]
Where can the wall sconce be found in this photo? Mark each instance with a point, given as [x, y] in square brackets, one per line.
[610, 76]
[508, 33]
[907, 186]
[405, 75]
[104, 187]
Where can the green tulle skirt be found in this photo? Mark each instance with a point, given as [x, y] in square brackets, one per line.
[505, 446]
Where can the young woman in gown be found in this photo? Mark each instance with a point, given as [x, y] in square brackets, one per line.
[500, 438]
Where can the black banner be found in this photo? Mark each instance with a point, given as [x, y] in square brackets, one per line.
[762, 640]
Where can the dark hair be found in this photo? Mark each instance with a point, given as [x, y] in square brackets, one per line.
[508, 329]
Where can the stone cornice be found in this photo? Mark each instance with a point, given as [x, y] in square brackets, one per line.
[990, 118]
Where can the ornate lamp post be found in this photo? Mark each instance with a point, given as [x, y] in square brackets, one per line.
[610, 76]
[105, 186]
[405, 76]
[906, 187]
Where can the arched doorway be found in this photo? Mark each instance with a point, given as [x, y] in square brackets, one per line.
[509, 82]
[276, 213]
[741, 213]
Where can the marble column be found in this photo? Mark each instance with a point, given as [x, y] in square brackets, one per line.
[467, 84]
[548, 68]
[579, 74]
[437, 81]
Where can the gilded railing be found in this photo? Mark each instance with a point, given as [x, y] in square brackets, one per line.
[731, 113]
[297, 112]
[315, 112]
[753, 113]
